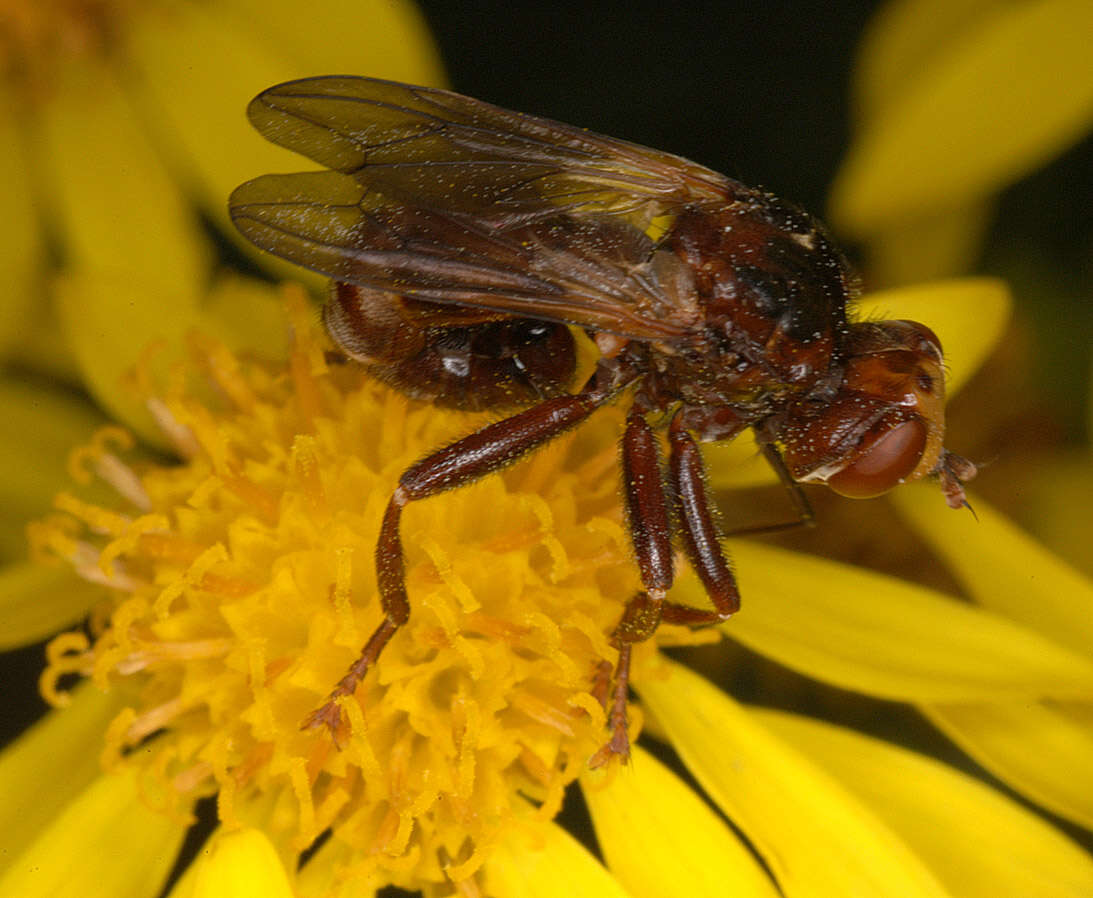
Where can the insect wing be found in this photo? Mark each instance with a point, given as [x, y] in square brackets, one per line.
[434, 147]
[444, 198]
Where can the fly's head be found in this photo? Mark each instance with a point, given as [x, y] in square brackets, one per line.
[884, 422]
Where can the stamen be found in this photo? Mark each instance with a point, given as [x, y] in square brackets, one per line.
[123, 479]
[99, 520]
[186, 783]
[153, 719]
[179, 435]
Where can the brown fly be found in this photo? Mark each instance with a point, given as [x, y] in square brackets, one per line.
[465, 241]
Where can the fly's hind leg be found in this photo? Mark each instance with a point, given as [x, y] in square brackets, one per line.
[459, 463]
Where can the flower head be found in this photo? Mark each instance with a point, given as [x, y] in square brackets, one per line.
[228, 580]
[242, 584]
[120, 126]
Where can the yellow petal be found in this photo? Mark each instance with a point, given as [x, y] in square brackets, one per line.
[886, 637]
[1044, 752]
[119, 209]
[40, 349]
[1004, 98]
[38, 601]
[106, 842]
[814, 836]
[241, 864]
[109, 322]
[391, 37]
[903, 38]
[21, 250]
[737, 464]
[246, 47]
[112, 321]
[38, 429]
[967, 314]
[943, 244]
[696, 855]
[1006, 570]
[544, 863]
[1055, 502]
[246, 314]
[61, 750]
[939, 812]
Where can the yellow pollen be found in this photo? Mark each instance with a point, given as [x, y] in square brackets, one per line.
[239, 585]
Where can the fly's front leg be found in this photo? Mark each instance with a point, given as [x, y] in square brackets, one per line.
[650, 532]
[805, 516]
[462, 462]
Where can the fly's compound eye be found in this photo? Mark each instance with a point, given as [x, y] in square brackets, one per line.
[885, 463]
[928, 342]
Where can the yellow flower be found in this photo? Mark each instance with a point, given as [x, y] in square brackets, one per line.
[119, 138]
[120, 129]
[228, 591]
[954, 102]
[240, 584]
[1056, 496]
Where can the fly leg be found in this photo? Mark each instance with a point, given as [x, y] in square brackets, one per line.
[459, 463]
[701, 540]
[651, 534]
[805, 515]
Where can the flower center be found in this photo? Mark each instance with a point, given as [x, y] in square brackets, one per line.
[241, 585]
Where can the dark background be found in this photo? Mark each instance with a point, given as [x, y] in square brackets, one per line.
[756, 91]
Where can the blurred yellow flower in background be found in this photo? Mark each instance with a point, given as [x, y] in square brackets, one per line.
[120, 129]
[119, 132]
[227, 590]
[954, 101]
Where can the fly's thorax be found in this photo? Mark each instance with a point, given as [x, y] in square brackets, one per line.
[772, 286]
